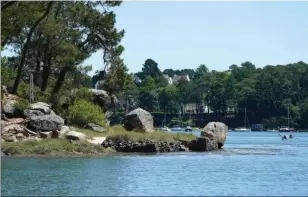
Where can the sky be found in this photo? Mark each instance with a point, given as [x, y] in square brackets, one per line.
[182, 34]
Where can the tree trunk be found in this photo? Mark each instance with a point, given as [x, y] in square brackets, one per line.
[47, 57]
[26, 46]
[37, 76]
[45, 75]
[60, 80]
[46, 68]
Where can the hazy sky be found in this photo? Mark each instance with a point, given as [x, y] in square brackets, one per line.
[182, 35]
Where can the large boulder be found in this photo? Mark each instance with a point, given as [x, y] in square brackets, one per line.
[74, 135]
[9, 106]
[47, 122]
[216, 131]
[28, 113]
[103, 99]
[203, 144]
[139, 120]
[41, 106]
[61, 133]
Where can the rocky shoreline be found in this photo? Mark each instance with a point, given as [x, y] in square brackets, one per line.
[148, 146]
[40, 131]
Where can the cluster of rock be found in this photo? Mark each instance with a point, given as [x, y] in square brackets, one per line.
[39, 122]
[148, 146]
[212, 137]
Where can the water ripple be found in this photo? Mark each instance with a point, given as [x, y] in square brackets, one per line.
[250, 164]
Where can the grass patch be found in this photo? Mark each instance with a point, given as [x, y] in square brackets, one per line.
[62, 147]
[119, 133]
[52, 147]
[89, 132]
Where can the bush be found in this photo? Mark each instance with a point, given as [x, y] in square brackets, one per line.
[118, 116]
[20, 106]
[7, 73]
[83, 93]
[83, 112]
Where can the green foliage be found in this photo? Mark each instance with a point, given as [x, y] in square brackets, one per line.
[82, 112]
[150, 68]
[161, 81]
[59, 37]
[83, 94]
[168, 94]
[148, 100]
[20, 106]
[118, 116]
[148, 84]
[7, 73]
[117, 77]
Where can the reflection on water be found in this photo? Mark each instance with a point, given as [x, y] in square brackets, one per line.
[249, 164]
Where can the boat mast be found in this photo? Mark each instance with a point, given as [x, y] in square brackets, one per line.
[288, 117]
[164, 122]
[245, 118]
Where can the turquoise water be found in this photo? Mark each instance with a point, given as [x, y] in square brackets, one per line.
[250, 164]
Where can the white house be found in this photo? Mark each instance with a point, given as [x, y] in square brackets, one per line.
[193, 108]
[177, 78]
[169, 79]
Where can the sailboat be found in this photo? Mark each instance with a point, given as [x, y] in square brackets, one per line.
[164, 128]
[287, 128]
[179, 127]
[243, 128]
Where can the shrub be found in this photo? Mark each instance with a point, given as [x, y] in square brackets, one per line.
[20, 106]
[118, 116]
[83, 93]
[7, 73]
[82, 112]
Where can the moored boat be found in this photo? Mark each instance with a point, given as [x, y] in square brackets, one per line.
[177, 129]
[257, 127]
[165, 129]
[286, 129]
[242, 129]
[188, 128]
